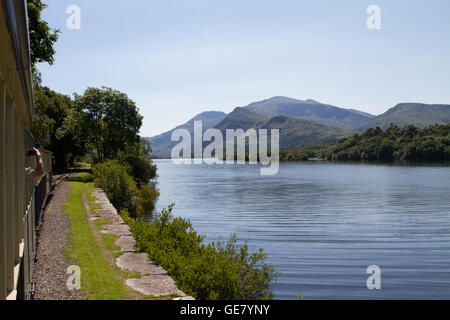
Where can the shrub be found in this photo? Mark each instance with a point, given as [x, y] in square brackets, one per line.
[120, 188]
[225, 271]
[254, 274]
[136, 158]
[147, 197]
[141, 168]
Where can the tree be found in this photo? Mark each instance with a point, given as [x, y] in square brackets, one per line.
[51, 112]
[110, 120]
[42, 37]
[137, 158]
[408, 143]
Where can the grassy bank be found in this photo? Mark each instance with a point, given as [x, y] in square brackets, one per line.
[93, 251]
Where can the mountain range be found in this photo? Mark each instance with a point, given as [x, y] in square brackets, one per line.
[417, 114]
[293, 131]
[311, 110]
[162, 145]
[306, 122]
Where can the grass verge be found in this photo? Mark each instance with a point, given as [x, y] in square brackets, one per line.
[92, 251]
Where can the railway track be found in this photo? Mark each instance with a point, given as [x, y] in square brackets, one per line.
[60, 179]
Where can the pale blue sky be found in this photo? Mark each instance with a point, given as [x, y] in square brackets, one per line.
[177, 58]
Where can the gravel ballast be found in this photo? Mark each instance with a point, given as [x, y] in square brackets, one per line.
[50, 269]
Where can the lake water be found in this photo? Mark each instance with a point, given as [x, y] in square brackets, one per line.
[323, 224]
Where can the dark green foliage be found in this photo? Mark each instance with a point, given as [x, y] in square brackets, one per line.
[118, 185]
[109, 119]
[136, 157]
[107, 122]
[122, 189]
[301, 153]
[141, 168]
[42, 38]
[254, 274]
[408, 143]
[51, 111]
[147, 197]
[225, 271]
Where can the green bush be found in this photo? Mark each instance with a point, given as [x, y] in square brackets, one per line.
[140, 167]
[147, 197]
[120, 188]
[224, 271]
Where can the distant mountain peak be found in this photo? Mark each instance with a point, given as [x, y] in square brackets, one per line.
[278, 97]
[163, 144]
[289, 100]
[307, 122]
[209, 115]
[310, 110]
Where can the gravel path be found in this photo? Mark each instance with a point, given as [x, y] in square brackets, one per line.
[50, 268]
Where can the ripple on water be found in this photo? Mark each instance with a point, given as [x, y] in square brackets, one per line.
[323, 224]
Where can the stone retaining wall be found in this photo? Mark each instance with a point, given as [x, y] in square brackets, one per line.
[154, 281]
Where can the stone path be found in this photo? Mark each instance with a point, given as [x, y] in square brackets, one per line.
[154, 280]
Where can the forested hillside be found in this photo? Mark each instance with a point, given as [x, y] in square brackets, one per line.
[408, 143]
